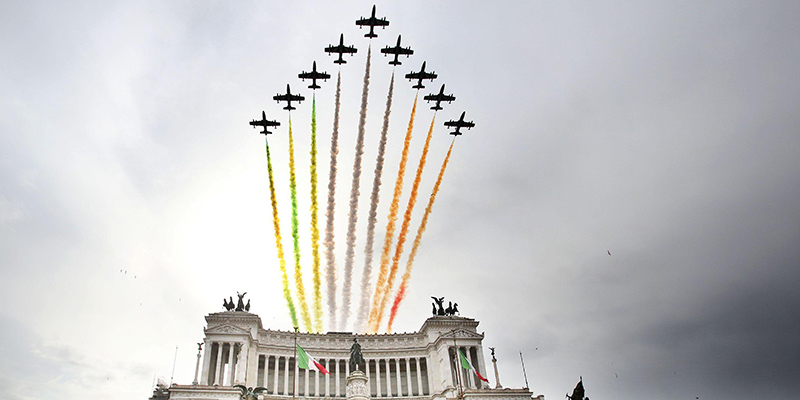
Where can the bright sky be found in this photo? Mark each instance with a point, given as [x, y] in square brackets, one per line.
[134, 197]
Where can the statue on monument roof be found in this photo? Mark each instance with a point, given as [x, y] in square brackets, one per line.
[578, 393]
[240, 304]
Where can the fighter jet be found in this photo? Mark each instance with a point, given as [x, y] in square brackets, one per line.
[288, 98]
[459, 124]
[397, 51]
[341, 49]
[264, 123]
[420, 76]
[372, 22]
[439, 98]
[314, 75]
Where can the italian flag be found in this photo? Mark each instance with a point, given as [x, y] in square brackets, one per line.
[468, 365]
[305, 361]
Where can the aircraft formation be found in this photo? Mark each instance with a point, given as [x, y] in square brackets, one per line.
[396, 51]
[368, 318]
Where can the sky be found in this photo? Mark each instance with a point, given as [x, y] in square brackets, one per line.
[134, 195]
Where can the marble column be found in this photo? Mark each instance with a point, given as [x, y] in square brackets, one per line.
[305, 382]
[275, 384]
[286, 376]
[378, 377]
[219, 363]
[337, 378]
[206, 363]
[328, 378]
[398, 377]
[408, 376]
[197, 367]
[388, 379]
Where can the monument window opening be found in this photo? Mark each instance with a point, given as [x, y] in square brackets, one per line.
[373, 386]
[260, 374]
[423, 367]
[414, 375]
[302, 380]
[342, 378]
[292, 368]
[322, 386]
[269, 383]
[280, 385]
[393, 372]
[403, 372]
[473, 355]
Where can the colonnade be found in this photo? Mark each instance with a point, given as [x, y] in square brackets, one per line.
[223, 363]
[389, 377]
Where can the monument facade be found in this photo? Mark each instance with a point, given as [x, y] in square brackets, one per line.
[238, 350]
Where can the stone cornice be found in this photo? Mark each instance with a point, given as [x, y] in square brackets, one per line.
[447, 323]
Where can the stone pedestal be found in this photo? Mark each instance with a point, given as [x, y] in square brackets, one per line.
[357, 386]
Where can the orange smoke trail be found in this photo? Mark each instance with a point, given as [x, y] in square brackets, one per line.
[401, 239]
[276, 222]
[390, 226]
[401, 292]
[298, 271]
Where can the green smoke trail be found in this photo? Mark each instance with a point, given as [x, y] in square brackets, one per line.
[281, 257]
[314, 222]
[401, 292]
[298, 270]
[390, 226]
[401, 238]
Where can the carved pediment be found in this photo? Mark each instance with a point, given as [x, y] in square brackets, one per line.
[461, 334]
[226, 328]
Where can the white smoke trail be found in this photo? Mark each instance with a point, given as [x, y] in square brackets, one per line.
[354, 192]
[330, 244]
[363, 309]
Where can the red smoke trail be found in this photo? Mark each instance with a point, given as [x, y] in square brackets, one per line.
[314, 221]
[330, 244]
[276, 223]
[298, 270]
[363, 309]
[401, 292]
[401, 239]
[390, 226]
[354, 192]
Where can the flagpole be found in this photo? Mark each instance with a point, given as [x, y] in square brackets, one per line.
[523, 370]
[296, 369]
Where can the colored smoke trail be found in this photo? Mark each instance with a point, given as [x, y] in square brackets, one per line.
[363, 309]
[298, 270]
[276, 223]
[314, 220]
[354, 192]
[401, 238]
[401, 292]
[330, 244]
[390, 226]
